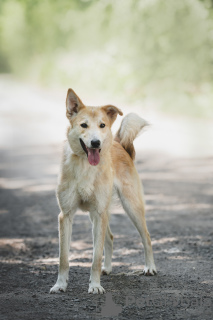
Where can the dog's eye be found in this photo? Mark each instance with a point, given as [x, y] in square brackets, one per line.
[84, 125]
[102, 125]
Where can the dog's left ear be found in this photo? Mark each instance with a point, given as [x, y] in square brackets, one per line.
[73, 104]
[112, 112]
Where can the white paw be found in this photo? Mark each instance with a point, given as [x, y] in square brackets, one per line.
[59, 287]
[106, 270]
[147, 271]
[150, 270]
[96, 289]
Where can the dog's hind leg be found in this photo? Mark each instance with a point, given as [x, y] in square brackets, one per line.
[131, 196]
[65, 230]
[108, 249]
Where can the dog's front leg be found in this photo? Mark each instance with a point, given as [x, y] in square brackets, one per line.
[99, 229]
[65, 230]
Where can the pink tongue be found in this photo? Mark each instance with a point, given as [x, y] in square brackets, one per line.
[93, 156]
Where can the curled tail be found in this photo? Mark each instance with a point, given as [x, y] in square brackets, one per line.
[131, 126]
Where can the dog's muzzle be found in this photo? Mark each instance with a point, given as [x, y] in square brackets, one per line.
[93, 154]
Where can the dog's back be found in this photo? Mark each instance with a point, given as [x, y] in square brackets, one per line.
[123, 152]
[130, 127]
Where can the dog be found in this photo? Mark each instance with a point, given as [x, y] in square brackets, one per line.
[94, 166]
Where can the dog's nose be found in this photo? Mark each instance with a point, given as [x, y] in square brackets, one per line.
[95, 143]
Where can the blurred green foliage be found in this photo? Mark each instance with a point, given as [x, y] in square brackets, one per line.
[146, 50]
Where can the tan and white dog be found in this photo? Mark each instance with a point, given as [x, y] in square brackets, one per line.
[94, 166]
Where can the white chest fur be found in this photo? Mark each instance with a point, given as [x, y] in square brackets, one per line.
[83, 185]
[85, 177]
[82, 175]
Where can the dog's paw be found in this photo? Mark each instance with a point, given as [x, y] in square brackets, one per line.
[149, 271]
[58, 288]
[106, 270]
[95, 289]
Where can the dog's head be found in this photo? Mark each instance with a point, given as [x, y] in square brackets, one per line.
[90, 133]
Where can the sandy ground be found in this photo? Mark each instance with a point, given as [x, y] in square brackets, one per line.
[179, 202]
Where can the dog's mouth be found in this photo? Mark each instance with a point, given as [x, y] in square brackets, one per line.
[93, 154]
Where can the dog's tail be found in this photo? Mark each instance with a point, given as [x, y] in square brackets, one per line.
[131, 126]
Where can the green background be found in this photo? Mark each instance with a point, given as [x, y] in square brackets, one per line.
[136, 49]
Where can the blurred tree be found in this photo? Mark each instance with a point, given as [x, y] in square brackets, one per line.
[146, 48]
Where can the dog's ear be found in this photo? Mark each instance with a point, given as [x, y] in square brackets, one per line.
[112, 112]
[73, 104]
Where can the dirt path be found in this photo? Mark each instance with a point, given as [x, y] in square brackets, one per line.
[179, 197]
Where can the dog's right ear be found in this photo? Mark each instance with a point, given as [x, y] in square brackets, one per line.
[73, 104]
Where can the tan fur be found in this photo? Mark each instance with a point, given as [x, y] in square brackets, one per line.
[130, 127]
[90, 187]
